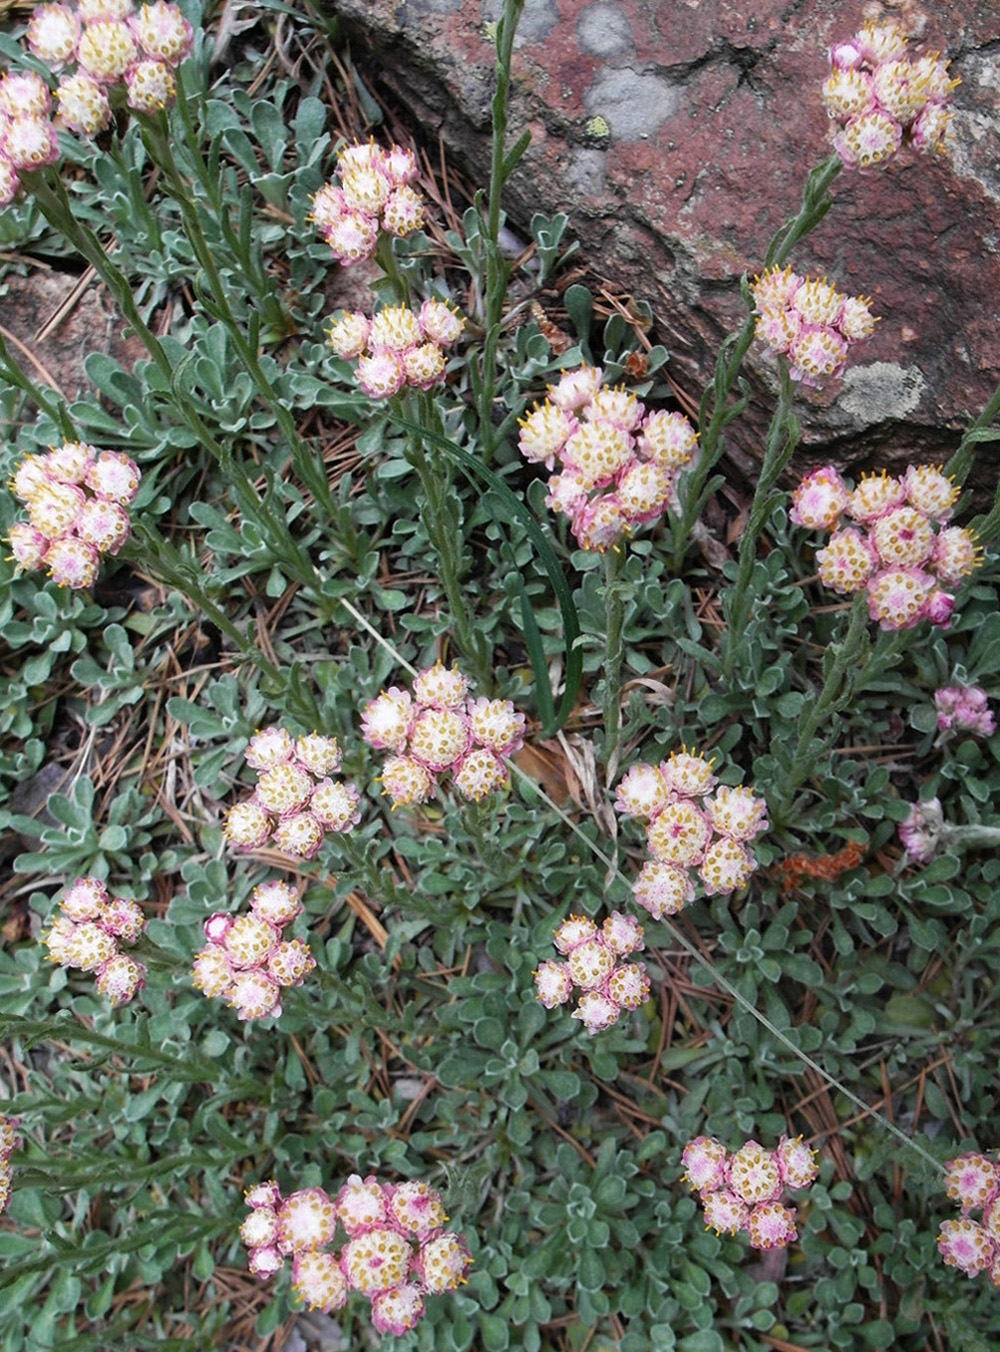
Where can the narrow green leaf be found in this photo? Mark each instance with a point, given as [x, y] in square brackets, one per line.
[514, 154]
[536, 655]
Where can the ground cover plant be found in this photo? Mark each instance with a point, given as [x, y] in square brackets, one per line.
[435, 861]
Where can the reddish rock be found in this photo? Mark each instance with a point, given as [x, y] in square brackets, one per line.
[53, 324]
[715, 116]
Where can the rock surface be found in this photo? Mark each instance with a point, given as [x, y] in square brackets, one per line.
[713, 117]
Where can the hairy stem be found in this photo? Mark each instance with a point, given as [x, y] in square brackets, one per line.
[716, 411]
[14, 374]
[165, 562]
[443, 528]
[845, 671]
[158, 141]
[614, 657]
[497, 268]
[782, 438]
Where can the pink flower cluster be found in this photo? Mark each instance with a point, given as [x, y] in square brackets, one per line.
[743, 1191]
[86, 932]
[972, 1246]
[809, 322]
[295, 802]
[112, 49]
[593, 963]
[618, 464]
[898, 548]
[396, 1253]
[922, 830]
[77, 499]
[698, 831]
[879, 97]
[397, 347]
[373, 194]
[9, 1142]
[925, 833]
[964, 708]
[246, 961]
[440, 730]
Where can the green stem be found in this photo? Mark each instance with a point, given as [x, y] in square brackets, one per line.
[375, 879]
[695, 487]
[816, 202]
[49, 192]
[482, 822]
[192, 1066]
[887, 647]
[70, 1174]
[256, 282]
[506, 32]
[55, 206]
[165, 562]
[716, 412]
[782, 438]
[386, 260]
[847, 667]
[443, 526]
[497, 269]
[158, 141]
[14, 374]
[156, 1228]
[986, 528]
[614, 657]
[135, 187]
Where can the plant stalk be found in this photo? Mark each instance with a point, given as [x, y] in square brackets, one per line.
[497, 268]
[158, 140]
[166, 562]
[782, 438]
[614, 656]
[14, 374]
[845, 673]
[716, 412]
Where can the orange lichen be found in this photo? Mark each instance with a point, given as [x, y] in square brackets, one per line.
[790, 872]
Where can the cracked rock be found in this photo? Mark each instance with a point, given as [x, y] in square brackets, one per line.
[714, 116]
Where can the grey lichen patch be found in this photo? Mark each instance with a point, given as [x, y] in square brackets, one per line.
[538, 18]
[633, 103]
[603, 30]
[585, 172]
[881, 391]
[431, 7]
[971, 143]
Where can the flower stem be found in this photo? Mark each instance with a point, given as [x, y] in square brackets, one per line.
[442, 522]
[157, 138]
[816, 202]
[614, 656]
[845, 668]
[497, 268]
[50, 193]
[386, 260]
[986, 528]
[374, 878]
[782, 438]
[55, 206]
[165, 562]
[716, 412]
[480, 821]
[14, 374]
